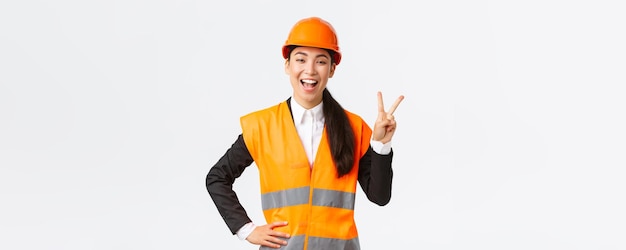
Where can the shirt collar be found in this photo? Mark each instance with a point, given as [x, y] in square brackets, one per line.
[298, 112]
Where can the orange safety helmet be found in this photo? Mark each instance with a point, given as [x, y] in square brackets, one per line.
[313, 32]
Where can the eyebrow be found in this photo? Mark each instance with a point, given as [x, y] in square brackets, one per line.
[305, 54]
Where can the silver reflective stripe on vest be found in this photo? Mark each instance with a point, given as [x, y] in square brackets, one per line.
[333, 244]
[284, 198]
[299, 196]
[297, 243]
[293, 243]
[333, 198]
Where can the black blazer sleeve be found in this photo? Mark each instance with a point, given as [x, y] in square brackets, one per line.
[219, 183]
[375, 176]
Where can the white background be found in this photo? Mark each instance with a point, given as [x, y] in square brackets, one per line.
[511, 135]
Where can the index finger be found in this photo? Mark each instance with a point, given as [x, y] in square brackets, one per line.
[278, 224]
[381, 107]
[395, 105]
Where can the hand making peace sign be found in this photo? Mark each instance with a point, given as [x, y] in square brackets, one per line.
[385, 125]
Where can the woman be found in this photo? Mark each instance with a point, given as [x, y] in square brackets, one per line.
[310, 153]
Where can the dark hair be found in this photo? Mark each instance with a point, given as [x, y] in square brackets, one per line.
[338, 129]
[331, 53]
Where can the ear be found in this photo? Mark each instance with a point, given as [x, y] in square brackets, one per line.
[287, 66]
[332, 70]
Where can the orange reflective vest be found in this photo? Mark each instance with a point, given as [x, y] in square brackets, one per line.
[318, 206]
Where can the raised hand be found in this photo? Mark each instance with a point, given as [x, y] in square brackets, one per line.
[266, 235]
[385, 125]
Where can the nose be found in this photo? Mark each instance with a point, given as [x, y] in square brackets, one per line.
[309, 68]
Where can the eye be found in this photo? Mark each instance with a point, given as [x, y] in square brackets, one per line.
[321, 62]
[300, 60]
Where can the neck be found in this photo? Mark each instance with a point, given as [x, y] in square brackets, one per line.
[307, 104]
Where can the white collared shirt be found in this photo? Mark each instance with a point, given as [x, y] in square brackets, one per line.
[310, 126]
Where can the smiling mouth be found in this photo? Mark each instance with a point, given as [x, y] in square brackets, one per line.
[307, 83]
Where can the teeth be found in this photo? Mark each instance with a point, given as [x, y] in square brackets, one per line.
[309, 81]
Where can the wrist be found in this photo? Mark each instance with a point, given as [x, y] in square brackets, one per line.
[245, 231]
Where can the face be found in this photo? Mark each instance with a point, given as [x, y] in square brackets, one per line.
[309, 69]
